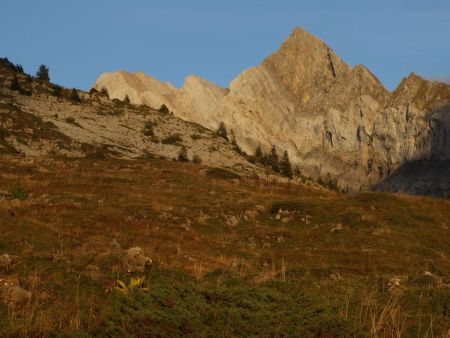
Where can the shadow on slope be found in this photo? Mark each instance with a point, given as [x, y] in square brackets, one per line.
[429, 176]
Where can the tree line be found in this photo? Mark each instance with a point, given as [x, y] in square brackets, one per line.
[271, 159]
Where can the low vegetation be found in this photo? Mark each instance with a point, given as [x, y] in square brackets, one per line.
[247, 258]
[172, 139]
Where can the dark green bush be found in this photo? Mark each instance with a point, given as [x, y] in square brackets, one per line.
[172, 139]
[18, 192]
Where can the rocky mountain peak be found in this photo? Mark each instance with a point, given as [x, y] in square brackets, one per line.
[337, 122]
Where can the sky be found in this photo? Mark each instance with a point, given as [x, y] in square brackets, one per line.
[169, 39]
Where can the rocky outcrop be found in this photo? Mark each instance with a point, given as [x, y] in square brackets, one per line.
[337, 122]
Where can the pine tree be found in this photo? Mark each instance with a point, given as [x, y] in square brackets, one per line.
[272, 159]
[285, 165]
[222, 131]
[126, 99]
[259, 156]
[43, 73]
[234, 142]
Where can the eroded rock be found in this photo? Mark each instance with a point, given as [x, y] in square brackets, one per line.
[134, 260]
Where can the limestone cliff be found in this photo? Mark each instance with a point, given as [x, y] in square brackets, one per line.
[337, 122]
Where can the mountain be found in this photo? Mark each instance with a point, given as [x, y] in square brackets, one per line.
[337, 123]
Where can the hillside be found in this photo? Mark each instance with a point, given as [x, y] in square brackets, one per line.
[240, 257]
[337, 122]
[106, 230]
[41, 119]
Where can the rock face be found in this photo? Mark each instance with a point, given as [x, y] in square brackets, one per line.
[337, 122]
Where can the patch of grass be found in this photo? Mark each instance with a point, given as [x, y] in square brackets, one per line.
[18, 192]
[180, 306]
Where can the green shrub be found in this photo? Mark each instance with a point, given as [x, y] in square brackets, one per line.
[172, 139]
[18, 192]
[178, 306]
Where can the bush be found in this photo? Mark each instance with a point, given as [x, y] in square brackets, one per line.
[221, 173]
[148, 129]
[70, 119]
[172, 139]
[57, 91]
[163, 109]
[222, 131]
[74, 95]
[154, 139]
[182, 155]
[93, 91]
[126, 99]
[43, 73]
[104, 91]
[196, 159]
[15, 84]
[18, 192]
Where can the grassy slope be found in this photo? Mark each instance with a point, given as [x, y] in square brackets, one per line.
[327, 276]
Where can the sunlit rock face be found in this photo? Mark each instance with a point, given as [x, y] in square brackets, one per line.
[336, 122]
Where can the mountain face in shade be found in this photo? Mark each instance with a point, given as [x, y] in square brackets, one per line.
[337, 123]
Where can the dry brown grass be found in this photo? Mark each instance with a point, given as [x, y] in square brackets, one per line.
[78, 208]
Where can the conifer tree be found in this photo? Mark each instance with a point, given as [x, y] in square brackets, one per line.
[272, 159]
[285, 165]
[126, 99]
[43, 73]
[222, 131]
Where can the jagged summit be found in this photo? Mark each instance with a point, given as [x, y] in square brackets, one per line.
[337, 122]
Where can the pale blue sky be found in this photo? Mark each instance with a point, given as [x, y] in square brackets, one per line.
[171, 39]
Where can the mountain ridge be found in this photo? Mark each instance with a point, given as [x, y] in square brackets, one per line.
[337, 122]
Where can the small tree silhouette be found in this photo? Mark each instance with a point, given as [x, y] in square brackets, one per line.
[126, 99]
[285, 165]
[272, 159]
[43, 73]
[222, 131]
